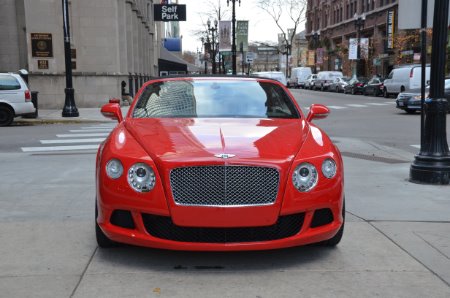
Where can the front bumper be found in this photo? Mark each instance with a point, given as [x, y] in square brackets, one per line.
[308, 224]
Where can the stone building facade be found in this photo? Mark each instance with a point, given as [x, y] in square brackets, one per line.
[112, 41]
[332, 23]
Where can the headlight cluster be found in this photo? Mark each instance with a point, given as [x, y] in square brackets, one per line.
[140, 176]
[305, 175]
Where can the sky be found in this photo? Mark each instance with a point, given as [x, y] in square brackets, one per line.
[261, 26]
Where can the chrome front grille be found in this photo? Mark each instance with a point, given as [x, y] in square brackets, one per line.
[224, 185]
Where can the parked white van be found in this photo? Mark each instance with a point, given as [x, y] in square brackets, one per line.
[404, 78]
[15, 98]
[276, 75]
[299, 76]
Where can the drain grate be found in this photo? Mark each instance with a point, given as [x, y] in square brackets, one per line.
[374, 158]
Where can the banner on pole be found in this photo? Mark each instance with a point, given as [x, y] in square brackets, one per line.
[311, 57]
[224, 36]
[242, 35]
[353, 49]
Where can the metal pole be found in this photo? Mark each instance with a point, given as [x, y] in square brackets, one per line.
[423, 60]
[358, 48]
[287, 61]
[70, 109]
[432, 164]
[213, 51]
[233, 42]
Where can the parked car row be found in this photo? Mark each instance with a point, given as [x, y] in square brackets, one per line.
[334, 81]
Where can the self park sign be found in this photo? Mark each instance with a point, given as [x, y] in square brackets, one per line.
[169, 12]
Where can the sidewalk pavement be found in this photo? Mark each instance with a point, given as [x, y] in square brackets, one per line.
[86, 115]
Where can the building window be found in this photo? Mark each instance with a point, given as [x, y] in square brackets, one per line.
[348, 11]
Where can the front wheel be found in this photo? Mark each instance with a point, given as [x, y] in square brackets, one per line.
[102, 240]
[336, 238]
[6, 116]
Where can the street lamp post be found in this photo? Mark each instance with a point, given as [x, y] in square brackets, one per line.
[204, 55]
[213, 30]
[359, 23]
[287, 50]
[432, 164]
[70, 109]
[316, 36]
[233, 42]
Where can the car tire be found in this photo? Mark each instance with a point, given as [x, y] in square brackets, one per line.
[6, 115]
[409, 111]
[336, 238]
[102, 240]
[385, 93]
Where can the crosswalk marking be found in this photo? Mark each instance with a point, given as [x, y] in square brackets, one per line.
[86, 138]
[83, 135]
[377, 104]
[418, 146]
[73, 141]
[60, 148]
[356, 106]
[91, 130]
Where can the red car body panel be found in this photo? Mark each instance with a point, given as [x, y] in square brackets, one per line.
[168, 143]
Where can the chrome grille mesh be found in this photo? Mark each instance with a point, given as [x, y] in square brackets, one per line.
[224, 185]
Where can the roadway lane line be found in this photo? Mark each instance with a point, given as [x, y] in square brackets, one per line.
[82, 135]
[73, 141]
[377, 104]
[60, 148]
[356, 106]
[336, 107]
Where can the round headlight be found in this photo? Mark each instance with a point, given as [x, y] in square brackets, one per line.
[329, 168]
[114, 169]
[305, 177]
[141, 177]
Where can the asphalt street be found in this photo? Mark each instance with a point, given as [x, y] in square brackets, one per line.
[396, 242]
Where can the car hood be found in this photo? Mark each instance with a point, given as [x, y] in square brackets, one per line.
[198, 140]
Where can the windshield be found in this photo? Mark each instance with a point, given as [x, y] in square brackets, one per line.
[214, 98]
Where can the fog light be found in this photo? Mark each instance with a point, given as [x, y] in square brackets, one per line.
[114, 169]
[329, 168]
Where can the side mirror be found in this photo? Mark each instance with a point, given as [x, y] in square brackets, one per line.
[112, 111]
[317, 111]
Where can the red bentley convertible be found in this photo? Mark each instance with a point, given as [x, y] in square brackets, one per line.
[218, 163]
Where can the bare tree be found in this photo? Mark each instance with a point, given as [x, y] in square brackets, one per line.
[215, 11]
[294, 10]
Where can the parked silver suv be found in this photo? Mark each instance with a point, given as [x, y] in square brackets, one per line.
[15, 98]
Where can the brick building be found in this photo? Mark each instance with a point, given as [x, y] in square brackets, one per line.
[331, 24]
